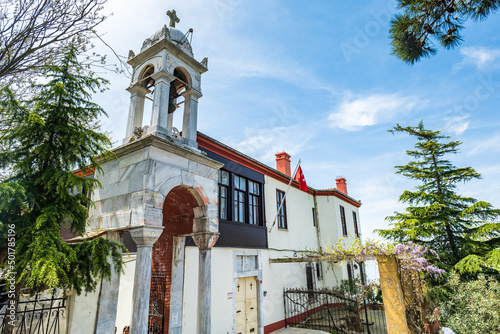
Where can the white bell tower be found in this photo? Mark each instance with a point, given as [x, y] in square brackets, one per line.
[165, 67]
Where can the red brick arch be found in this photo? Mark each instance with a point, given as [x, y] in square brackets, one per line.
[178, 215]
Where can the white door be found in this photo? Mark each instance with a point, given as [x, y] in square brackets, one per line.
[246, 306]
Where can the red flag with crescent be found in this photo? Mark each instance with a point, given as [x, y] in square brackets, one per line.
[299, 177]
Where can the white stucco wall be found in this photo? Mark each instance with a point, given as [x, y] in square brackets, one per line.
[83, 308]
[124, 312]
[272, 278]
[83, 311]
[301, 233]
[190, 296]
[277, 276]
[330, 223]
[222, 285]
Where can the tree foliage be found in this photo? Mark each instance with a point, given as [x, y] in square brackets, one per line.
[46, 139]
[464, 231]
[425, 24]
[33, 33]
[474, 307]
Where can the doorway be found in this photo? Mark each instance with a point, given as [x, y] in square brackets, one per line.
[246, 306]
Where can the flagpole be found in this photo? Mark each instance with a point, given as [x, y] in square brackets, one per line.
[284, 197]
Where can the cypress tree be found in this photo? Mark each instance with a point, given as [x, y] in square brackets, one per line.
[464, 231]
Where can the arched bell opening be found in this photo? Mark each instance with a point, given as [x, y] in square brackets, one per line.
[179, 211]
[146, 81]
[145, 78]
[179, 85]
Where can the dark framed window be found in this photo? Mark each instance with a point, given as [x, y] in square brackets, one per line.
[309, 277]
[315, 223]
[281, 206]
[223, 194]
[319, 271]
[253, 202]
[349, 272]
[355, 221]
[239, 199]
[342, 220]
[362, 272]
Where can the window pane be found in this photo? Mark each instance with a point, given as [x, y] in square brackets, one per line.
[342, 220]
[235, 205]
[250, 216]
[236, 182]
[223, 192]
[223, 208]
[224, 178]
[282, 209]
[242, 213]
[253, 187]
[243, 184]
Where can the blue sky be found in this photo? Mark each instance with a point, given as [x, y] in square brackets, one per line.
[317, 80]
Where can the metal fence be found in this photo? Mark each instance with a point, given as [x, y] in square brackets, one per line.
[36, 314]
[157, 302]
[329, 311]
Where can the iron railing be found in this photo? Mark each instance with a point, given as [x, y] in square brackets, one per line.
[157, 302]
[329, 311]
[36, 314]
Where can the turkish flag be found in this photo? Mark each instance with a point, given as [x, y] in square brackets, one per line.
[299, 177]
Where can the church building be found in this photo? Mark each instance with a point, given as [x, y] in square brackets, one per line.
[202, 221]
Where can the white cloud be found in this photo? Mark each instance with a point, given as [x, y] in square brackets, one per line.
[491, 144]
[481, 57]
[358, 111]
[457, 124]
[247, 58]
[263, 144]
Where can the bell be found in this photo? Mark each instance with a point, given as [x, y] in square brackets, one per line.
[171, 107]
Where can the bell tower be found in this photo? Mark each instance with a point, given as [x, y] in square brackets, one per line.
[165, 69]
[159, 189]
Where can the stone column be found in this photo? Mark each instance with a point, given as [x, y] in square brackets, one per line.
[205, 241]
[144, 237]
[177, 286]
[170, 121]
[190, 119]
[161, 97]
[108, 297]
[136, 109]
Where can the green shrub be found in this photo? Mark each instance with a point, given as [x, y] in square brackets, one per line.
[474, 307]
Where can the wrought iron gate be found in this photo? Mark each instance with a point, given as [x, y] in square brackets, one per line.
[157, 302]
[329, 311]
[36, 314]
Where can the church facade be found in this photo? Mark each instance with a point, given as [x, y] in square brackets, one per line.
[201, 221]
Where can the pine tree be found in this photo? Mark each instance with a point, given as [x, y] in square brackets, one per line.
[425, 23]
[464, 231]
[44, 140]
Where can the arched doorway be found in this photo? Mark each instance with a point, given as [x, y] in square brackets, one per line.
[178, 215]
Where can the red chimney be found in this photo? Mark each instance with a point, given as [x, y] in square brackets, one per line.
[341, 185]
[283, 163]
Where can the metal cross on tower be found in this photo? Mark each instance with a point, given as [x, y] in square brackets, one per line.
[173, 18]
